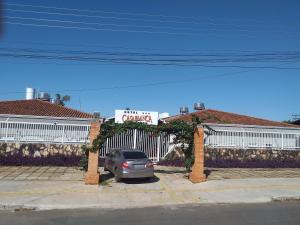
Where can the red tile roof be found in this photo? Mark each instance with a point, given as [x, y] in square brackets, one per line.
[219, 117]
[39, 108]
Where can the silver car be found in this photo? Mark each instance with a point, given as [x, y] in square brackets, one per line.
[128, 164]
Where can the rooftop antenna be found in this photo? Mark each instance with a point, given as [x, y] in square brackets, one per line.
[80, 106]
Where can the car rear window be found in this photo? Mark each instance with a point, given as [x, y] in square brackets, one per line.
[134, 155]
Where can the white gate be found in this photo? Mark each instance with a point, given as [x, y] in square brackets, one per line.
[155, 147]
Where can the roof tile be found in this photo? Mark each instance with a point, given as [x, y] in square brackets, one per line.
[220, 117]
[37, 107]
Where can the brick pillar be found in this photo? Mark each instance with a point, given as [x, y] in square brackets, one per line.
[197, 175]
[93, 176]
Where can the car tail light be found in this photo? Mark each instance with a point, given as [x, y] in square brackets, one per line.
[125, 165]
[149, 164]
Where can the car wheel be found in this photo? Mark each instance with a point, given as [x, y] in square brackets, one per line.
[117, 179]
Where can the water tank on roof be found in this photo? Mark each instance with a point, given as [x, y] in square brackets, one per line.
[30, 93]
[184, 110]
[96, 115]
[44, 96]
[199, 106]
[163, 115]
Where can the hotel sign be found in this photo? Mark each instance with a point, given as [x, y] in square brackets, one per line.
[147, 117]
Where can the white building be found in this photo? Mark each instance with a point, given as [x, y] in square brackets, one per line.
[244, 132]
[37, 121]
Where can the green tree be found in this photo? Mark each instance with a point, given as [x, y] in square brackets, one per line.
[61, 100]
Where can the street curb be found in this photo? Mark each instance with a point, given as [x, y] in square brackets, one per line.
[285, 199]
[17, 208]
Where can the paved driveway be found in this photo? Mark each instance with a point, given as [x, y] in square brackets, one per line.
[41, 173]
[75, 174]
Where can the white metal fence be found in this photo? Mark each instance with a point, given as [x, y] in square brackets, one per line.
[221, 136]
[156, 147]
[43, 132]
[253, 137]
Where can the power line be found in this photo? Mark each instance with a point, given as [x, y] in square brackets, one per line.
[253, 56]
[129, 19]
[127, 59]
[99, 24]
[243, 33]
[110, 17]
[126, 86]
[232, 51]
[122, 25]
[150, 84]
[114, 24]
[100, 29]
[73, 63]
[99, 11]
[212, 20]
[226, 57]
[125, 30]
[103, 17]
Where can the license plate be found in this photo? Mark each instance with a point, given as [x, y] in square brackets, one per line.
[142, 166]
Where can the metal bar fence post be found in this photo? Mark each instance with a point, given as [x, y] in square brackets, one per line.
[243, 138]
[6, 131]
[134, 138]
[107, 146]
[158, 148]
[63, 134]
[281, 141]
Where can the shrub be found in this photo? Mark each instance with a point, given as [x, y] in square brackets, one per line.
[56, 160]
[83, 163]
[235, 163]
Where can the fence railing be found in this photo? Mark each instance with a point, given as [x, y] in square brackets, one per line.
[43, 132]
[156, 147]
[249, 138]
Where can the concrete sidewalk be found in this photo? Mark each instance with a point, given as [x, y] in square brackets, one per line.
[52, 173]
[168, 188]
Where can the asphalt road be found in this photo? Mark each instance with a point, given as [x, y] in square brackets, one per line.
[277, 213]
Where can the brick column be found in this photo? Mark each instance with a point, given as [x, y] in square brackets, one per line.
[93, 176]
[197, 175]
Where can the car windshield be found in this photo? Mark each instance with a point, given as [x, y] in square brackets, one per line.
[134, 155]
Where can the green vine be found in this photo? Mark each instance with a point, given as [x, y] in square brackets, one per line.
[183, 132]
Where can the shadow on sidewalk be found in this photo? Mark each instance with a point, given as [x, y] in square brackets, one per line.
[107, 177]
[169, 171]
[141, 180]
[208, 172]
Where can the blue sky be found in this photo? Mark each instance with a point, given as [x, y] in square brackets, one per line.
[222, 27]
